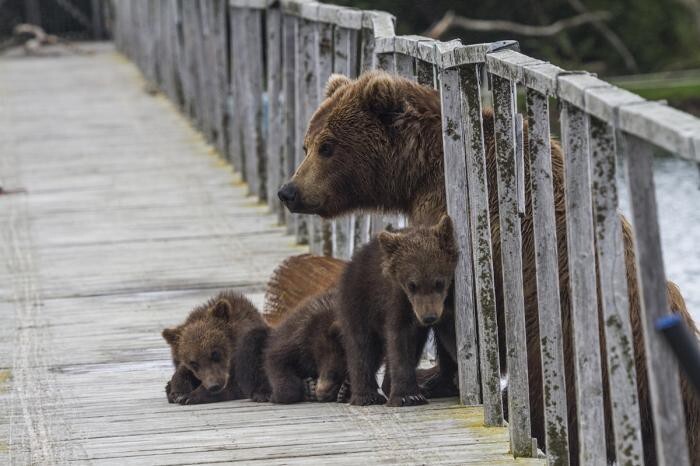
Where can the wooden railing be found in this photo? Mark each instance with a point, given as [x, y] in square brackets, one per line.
[250, 73]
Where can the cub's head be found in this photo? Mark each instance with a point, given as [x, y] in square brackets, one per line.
[204, 346]
[347, 144]
[422, 262]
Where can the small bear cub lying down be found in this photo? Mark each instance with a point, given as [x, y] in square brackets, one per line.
[217, 353]
[392, 291]
[304, 359]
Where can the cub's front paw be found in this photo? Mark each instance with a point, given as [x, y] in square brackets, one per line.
[406, 400]
[366, 399]
[192, 398]
[438, 387]
[260, 397]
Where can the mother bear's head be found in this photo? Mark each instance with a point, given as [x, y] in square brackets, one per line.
[362, 146]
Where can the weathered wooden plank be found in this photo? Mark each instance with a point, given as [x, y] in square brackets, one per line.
[480, 222]
[289, 57]
[662, 368]
[253, 76]
[425, 73]
[582, 272]
[344, 62]
[238, 63]
[456, 189]
[274, 139]
[512, 268]
[622, 377]
[405, 66]
[321, 239]
[547, 269]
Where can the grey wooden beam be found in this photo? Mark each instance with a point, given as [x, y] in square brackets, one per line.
[582, 274]
[547, 270]
[511, 258]
[662, 368]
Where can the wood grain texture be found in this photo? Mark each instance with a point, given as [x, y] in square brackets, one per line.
[123, 229]
[614, 302]
[512, 267]
[582, 284]
[456, 189]
[274, 136]
[662, 368]
[480, 222]
[289, 112]
[547, 269]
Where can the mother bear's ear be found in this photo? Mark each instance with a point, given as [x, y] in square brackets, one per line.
[335, 82]
[381, 96]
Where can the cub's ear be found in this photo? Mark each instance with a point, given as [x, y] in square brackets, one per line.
[382, 97]
[445, 233]
[390, 242]
[334, 330]
[171, 335]
[221, 309]
[335, 82]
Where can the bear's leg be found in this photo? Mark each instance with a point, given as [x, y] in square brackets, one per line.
[248, 364]
[402, 346]
[182, 383]
[364, 355]
[280, 366]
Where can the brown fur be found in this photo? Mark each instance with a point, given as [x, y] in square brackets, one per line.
[217, 352]
[394, 288]
[306, 345]
[297, 278]
[385, 140]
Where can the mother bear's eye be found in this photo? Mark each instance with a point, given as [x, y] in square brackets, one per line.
[325, 149]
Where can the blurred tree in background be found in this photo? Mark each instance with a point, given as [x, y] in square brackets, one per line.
[660, 35]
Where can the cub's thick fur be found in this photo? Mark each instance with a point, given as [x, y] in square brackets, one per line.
[376, 143]
[217, 353]
[305, 346]
[392, 291]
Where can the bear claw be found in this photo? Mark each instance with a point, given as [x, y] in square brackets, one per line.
[310, 389]
[344, 393]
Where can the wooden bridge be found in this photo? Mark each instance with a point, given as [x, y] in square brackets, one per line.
[119, 217]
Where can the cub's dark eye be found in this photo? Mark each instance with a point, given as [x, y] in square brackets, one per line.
[215, 356]
[325, 149]
[411, 287]
[194, 365]
[439, 285]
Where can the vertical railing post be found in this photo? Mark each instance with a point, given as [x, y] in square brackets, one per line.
[547, 270]
[274, 142]
[480, 220]
[456, 191]
[289, 58]
[512, 267]
[662, 368]
[622, 376]
[345, 62]
[582, 274]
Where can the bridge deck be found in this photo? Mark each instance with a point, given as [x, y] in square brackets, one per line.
[128, 220]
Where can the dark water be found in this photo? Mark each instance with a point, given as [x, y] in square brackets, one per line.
[677, 185]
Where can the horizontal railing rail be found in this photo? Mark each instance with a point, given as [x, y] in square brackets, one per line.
[250, 74]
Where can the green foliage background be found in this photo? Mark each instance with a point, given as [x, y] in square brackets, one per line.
[661, 34]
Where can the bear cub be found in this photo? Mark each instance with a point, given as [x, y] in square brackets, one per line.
[304, 359]
[217, 353]
[393, 290]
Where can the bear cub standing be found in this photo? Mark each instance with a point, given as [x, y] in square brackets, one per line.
[392, 291]
[304, 359]
[217, 353]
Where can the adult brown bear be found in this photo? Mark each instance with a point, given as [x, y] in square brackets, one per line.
[375, 143]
